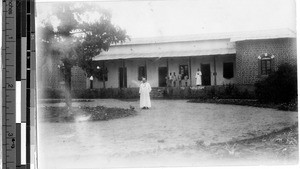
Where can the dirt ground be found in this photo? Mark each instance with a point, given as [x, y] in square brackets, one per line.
[168, 134]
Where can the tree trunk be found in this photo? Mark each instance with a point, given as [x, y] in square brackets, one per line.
[67, 89]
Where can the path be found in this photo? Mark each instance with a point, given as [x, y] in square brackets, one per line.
[168, 124]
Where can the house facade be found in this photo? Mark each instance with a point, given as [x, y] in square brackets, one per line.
[237, 58]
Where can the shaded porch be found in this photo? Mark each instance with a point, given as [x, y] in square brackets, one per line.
[127, 73]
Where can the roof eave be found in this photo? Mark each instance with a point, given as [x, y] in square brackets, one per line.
[237, 39]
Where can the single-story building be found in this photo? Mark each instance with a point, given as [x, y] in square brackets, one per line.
[228, 58]
[237, 58]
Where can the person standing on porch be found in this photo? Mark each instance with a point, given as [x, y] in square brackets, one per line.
[174, 78]
[170, 80]
[145, 90]
[198, 78]
[167, 80]
[186, 78]
[179, 79]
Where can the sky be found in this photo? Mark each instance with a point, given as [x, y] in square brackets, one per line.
[181, 17]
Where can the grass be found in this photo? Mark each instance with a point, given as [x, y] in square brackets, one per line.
[248, 102]
[278, 145]
[99, 113]
[63, 100]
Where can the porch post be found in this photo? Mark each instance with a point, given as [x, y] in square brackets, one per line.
[190, 71]
[146, 69]
[215, 72]
[168, 82]
[104, 70]
[168, 65]
[123, 63]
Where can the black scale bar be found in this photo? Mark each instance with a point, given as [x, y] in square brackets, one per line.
[18, 40]
[30, 28]
[18, 74]
[28, 31]
[18, 145]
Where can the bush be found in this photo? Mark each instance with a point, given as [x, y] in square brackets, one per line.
[128, 93]
[278, 87]
[50, 93]
[229, 89]
[292, 106]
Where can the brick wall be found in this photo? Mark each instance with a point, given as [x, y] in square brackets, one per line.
[247, 52]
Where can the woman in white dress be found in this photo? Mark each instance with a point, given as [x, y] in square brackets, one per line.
[145, 90]
[198, 78]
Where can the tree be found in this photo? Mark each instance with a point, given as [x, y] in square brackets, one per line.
[279, 87]
[77, 32]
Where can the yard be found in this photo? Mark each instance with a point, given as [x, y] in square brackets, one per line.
[171, 133]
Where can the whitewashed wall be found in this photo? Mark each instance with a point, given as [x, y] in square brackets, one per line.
[220, 59]
[173, 63]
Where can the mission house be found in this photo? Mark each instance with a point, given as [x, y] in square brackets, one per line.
[239, 58]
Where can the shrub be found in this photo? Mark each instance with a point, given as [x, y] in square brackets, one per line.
[50, 93]
[212, 92]
[229, 89]
[198, 94]
[292, 106]
[278, 87]
[246, 94]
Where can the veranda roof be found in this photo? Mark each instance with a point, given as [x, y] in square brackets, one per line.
[191, 45]
[167, 54]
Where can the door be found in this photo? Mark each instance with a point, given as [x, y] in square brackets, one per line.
[122, 77]
[205, 69]
[162, 74]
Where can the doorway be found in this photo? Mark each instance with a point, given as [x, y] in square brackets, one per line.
[122, 77]
[205, 69]
[162, 74]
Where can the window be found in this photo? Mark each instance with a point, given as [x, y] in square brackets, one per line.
[142, 72]
[265, 62]
[228, 70]
[184, 71]
[266, 66]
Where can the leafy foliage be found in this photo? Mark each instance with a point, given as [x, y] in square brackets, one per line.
[279, 87]
[78, 32]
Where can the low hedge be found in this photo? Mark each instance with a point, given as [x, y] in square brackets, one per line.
[208, 92]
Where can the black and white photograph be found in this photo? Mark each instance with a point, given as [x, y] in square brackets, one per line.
[166, 83]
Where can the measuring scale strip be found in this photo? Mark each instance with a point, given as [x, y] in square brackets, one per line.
[9, 81]
[18, 91]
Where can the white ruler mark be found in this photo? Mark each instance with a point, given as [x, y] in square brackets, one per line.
[18, 101]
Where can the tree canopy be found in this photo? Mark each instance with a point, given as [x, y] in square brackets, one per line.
[78, 32]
